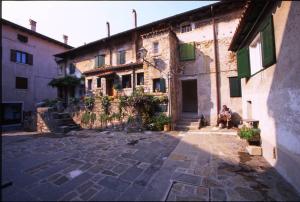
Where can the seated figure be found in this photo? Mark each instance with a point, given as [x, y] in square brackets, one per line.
[224, 117]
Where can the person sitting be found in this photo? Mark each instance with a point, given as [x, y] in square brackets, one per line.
[224, 117]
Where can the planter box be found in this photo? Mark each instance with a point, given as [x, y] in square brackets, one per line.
[254, 150]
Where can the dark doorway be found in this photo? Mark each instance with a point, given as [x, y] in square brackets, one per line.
[189, 96]
[109, 86]
[11, 113]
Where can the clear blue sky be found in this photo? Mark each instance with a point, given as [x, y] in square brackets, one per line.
[85, 21]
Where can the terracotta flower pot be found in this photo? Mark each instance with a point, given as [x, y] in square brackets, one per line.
[167, 127]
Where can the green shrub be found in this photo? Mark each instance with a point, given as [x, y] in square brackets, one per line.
[248, 133]
[105, 103]
[89, 102]
[158, 122]
[85, 118]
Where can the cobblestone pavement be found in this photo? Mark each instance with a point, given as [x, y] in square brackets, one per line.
[94, 166]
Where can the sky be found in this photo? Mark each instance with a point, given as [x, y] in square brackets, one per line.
[85, 21]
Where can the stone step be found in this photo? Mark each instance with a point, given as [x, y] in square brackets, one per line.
[66, 121]
[67, 128]
[189, 119]
[63, 115]
[188, 123]
[185, 127]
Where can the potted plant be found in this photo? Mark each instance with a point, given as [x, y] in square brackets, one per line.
[252, 135]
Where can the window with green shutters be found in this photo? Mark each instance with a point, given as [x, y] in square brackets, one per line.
[243, 63]
[268, 43]
[187, 51]
[235, 87]
[99, 61]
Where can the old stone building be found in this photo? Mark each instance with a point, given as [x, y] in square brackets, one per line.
[268, 53]
[185, 57]
[27, 67]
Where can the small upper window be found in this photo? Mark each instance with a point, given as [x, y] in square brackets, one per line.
[186, 28]
[155, 47]
[100, 61]
[22, 38]
[21, 83]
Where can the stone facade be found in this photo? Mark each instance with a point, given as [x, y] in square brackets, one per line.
[168, 65]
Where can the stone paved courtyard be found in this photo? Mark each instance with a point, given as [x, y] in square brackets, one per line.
[91, 165]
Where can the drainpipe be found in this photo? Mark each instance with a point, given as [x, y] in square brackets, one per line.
[216, 60]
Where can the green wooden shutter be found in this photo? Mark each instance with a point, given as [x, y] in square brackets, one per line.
[96, 62]
[187, 51]
[235, 87]
[243, 63]
[29, 59]
[13, 56]
[162, 84]
[268, 43]
[182, 51]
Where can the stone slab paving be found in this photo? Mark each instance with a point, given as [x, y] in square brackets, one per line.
[89, 165]
[216, 168]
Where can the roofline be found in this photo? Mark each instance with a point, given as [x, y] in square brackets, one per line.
[24, 29]
[148, 25]
[249, 26]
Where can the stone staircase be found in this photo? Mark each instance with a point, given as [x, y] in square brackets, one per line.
[50, 120]
[188, 123]
[63, 122]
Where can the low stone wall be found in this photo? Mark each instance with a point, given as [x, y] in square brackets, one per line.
[44, 119]
[76, 113]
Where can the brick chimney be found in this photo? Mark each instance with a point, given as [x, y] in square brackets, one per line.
[65, 39]
[32, 25]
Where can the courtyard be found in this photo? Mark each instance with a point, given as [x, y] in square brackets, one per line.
[90, 165]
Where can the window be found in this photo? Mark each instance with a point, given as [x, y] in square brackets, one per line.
[187, 51]
[90, 84]
[186, 28]
[21, 83]
[21, 57]
[98, 82]
[260, 53]
[235, 87]
[155, 47]
[99, 61]
[22, 38]
[255, 55]
[72, 68]
[121, 57]
[159, 85]
[140, 79]
[126, 81]
[60, 69]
